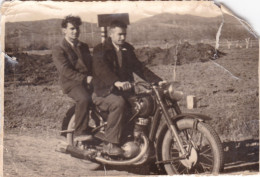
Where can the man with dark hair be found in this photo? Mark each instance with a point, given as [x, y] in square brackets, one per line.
[75, 21]
[117, 23]
[74, 64]
[114, 63]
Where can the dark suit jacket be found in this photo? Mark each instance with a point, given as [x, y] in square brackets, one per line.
[106, 70]
[73, 66]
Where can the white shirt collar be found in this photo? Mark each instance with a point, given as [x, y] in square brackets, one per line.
[78, 43]
[116, 46]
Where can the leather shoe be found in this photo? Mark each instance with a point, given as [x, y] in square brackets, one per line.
[112, 149]
[83, 137]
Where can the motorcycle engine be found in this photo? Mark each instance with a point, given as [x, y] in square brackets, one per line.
[144, 104]
[131, 149]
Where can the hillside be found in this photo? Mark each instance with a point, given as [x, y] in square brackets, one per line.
[186, 27]
[43, 34]
[39, 35]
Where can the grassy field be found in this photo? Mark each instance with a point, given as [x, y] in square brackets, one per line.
[226, 90]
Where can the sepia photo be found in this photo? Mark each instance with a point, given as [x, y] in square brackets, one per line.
[128, 88]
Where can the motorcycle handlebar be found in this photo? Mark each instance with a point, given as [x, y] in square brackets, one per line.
[148, 85]
[144, 84]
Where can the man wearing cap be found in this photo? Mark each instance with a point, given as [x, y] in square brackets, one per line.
[114, 63]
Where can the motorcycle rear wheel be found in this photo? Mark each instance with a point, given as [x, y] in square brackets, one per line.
[206, 154]
[71, 125]
[91, 165]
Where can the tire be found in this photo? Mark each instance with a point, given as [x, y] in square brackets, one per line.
[206, 152]
[91, 165]
[70, 127]
[70, 119]
[66, 119]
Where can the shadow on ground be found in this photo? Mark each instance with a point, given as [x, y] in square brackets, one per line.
[241, 156]
[145, 169]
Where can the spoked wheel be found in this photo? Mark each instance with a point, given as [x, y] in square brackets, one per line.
[204, 147]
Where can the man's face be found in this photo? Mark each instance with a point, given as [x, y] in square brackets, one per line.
[71, 32]
[118, 35]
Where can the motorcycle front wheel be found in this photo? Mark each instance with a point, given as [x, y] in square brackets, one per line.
[204, 147]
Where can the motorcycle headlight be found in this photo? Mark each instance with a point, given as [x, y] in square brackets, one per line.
[173, 94]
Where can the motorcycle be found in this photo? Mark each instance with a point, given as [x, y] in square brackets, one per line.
[157, 132]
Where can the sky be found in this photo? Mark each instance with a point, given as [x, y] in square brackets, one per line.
[30, 10]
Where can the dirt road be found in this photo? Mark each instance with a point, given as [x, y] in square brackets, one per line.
[36, 155]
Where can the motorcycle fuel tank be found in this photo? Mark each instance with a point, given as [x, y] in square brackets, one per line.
[144, 104]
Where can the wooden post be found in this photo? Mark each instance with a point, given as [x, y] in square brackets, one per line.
[175, 62]
[103, 34]
[191, 102]
[229, 43]
[247, 42]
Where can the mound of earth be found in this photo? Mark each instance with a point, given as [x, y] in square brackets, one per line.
[31, 70]
[149, 55]
[186, 53]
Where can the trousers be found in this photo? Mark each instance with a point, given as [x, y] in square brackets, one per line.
[115, 105]
[82, 97]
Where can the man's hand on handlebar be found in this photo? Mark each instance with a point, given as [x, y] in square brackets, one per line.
[160, 83]
[123, 85]
[127, 85]
[89, 79]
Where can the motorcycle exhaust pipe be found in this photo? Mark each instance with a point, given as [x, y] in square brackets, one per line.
[133, 161]
[145, 157]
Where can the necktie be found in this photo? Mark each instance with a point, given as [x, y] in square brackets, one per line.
[77, 51]
[119, 57]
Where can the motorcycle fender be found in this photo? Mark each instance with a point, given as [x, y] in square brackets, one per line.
[66, 119]
[163, 129]
[200, 117]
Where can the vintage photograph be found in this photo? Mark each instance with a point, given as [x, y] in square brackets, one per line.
[128, 88]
